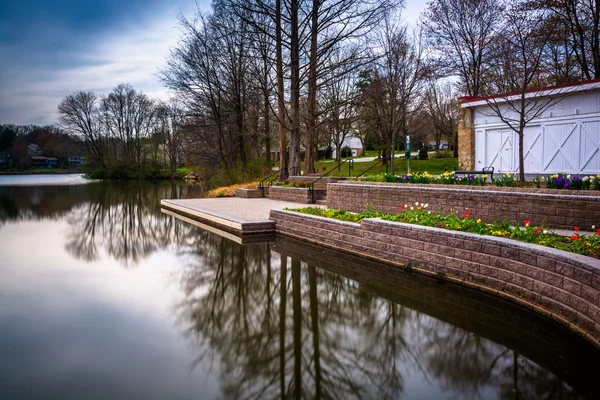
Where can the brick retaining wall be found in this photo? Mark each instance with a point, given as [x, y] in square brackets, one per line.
[563, 285]
[249, 193]
[558, 209]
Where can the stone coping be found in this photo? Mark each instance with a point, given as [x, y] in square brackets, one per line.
[561, 285]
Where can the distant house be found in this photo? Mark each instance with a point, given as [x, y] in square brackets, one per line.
[44, 162]
[353, 143]
[74, 160]
[5, 160]
[443, 145]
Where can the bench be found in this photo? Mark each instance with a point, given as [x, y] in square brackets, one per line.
[485, 170]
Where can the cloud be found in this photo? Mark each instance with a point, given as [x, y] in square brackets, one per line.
[30, 91]
[37, 70]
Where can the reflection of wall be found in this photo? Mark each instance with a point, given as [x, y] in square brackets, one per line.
[464, 308]
[295, 320]
[554, 208]
[564, 285]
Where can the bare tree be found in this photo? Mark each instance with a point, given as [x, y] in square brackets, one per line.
[335, 25]
[580, 23]
[395, 83]
[462, 31]
[521, 47]
[170, 120]
[127, 117]
[79, 114]
[441, 106]
[339, 98]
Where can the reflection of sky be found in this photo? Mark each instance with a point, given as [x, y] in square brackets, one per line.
[49, 49]
[89, 330]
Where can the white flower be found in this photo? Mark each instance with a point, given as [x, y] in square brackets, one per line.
[545, 232]
[416, 203]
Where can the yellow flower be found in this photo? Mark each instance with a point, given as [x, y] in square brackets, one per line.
[478, 220]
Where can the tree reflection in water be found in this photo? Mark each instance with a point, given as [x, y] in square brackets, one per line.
[280, 327]
[290, 320]
[121, 219]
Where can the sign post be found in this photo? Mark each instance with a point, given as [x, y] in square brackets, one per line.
[407, 154]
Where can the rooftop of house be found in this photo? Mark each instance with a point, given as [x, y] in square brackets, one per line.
[573, 87]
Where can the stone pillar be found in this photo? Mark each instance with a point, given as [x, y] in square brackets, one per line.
[466, 138]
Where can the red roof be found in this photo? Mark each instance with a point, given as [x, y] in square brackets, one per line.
[468, 99]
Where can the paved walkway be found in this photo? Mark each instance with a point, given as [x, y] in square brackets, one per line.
[232, 214]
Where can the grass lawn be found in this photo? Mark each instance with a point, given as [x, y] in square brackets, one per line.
[433, 166]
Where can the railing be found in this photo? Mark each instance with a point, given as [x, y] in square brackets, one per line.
[373, 166]
[274, 176]
[312, 185]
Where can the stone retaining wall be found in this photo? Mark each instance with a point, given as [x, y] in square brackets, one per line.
[296, 195]
[556, 208]
[563, 285]
[250, 193]
[322, 183]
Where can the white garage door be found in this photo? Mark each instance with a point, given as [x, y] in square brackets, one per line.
[496, 148]
[572, 147]
[566, 146]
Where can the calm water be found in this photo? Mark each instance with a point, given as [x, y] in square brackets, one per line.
[104, 297]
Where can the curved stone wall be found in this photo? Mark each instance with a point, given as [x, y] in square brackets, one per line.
[562, 285]
[556, 208]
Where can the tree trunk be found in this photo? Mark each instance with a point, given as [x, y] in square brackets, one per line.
[521, 156]
[309, 161]
[280, 94]
[267, 126]
[392, 158]
[295, 89]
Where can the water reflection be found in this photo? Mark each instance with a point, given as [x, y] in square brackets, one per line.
[122, 219]
[279, 320]
[281, 327]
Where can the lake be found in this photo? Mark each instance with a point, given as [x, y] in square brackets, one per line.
[103, 296]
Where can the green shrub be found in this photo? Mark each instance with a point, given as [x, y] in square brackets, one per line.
[423, 155]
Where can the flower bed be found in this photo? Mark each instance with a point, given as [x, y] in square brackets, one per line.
[420, 214]
[556, 181]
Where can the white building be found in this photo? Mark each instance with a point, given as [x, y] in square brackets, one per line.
[564, 138]
[353, 143]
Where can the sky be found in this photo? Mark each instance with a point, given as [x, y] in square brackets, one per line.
[51, 48]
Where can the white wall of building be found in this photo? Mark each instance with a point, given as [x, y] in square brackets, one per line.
[566, 138]
[350, 141]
